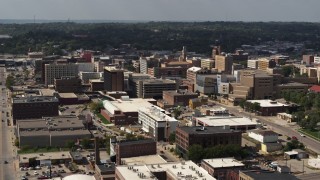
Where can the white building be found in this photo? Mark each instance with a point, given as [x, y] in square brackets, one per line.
[156, 122]
[253, 63]
[174, 170]
[235, 123]
[143, 66]
[316, 59]
[56, 70]
[264, 136]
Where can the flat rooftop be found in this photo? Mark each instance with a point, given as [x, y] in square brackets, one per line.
[67, 95]
[268, 103]
[223, 162]
[180, 93]
[113, 69]
[58, 122]
[44, 156]
[178, 170]
[267, 175]
[205, 130]
[131, 105]
[159, 81]
[226, 121]
[156, 113]
[143, 160]
[35, 99]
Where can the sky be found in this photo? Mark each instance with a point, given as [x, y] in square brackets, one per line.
[163, 10]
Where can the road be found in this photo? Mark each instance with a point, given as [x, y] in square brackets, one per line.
[7, 171]
[308, 142]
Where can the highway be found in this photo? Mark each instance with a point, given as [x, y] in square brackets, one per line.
[288, 131]
[7, 171]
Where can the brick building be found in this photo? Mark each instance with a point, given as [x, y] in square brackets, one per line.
[125, 149]
[34, 107]
[67, 84]
[178, 97]
[205, 136]
[113, 79]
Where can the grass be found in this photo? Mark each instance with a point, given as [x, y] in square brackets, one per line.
[40, 150]
[311, 133]
[103, 119]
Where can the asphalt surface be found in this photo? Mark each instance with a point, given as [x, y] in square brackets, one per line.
[308, 142]
[7, 170]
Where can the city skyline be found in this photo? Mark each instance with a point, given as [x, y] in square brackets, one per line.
[163, 10]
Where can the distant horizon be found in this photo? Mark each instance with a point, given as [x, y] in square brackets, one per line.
[39, 21]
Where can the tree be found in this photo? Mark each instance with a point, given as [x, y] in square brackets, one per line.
[85, 143]
[96, 107]
[9, 81]
[172, 137]
[70, 144]
[195, 153]
[177, 112]
[293, 144]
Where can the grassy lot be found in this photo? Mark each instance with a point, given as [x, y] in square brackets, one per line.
[40, 150]
[103, 119]
[314, 134]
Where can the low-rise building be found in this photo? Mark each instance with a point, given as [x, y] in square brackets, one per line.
[50, 131]
[124, 111]
[296, 154]
[44, 158]
[265, 175]
[168, 171]
[157, 122]
[34, 107]
[264, 136]
[178, 97]
[67, 84]
[219, 167]
[126, 149]
[143, 160]
[231, 122]
[269, 107]
[205, 137]
[196, 102]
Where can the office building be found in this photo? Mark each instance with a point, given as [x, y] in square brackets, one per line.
[66, 84]
[126, 149]
[157, 123]
[50, 131]
[223, 63]
[205, 137]
[270, 107]
[86, 76]
[178, 97]
[34, 107]
[207, 64]
[252, 63]
[175, 72]
[113, 79]
[58, 70]
[152, 88]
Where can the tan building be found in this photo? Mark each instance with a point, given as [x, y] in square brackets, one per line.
[207, 63]
[223, 63]
[178, 97]
[58, 70]
[264, 64]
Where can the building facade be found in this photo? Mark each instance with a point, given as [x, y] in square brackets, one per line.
[58, 70]
[113, 79]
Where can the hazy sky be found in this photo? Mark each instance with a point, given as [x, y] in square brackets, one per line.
[163, 10]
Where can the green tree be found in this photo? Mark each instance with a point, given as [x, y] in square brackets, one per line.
[177, 112]
[70, 144]
[96, 106]
[172, 137]
[195, 153]
[85, 143]
[9, 81]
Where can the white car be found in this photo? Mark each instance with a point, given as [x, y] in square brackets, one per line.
[35, 173]
[302, 135]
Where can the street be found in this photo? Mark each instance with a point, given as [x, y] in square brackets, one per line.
[6, 151]
[308, 142]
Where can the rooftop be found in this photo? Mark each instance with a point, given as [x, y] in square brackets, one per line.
[268, 103]
[45, 156]
[194, 69]
[264, 132]
[113, 69]
[223, 162]
[58, 122]
[67, 95]
[315, 88]
[205, 130]
[180, 92]
[35, 99]
[178, 170]
[226, 121]
[267, 175]
[159, 81]
[131, 105]
[156, 113]
[142, 160]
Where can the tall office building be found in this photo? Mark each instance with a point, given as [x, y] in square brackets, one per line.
[223, 63]
[113, 78]
[57, 70]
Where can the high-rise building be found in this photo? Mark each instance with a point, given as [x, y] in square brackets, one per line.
[58, 70]
[113, 79]
[223, 63]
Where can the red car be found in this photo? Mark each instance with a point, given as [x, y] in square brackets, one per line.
[294, 138]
